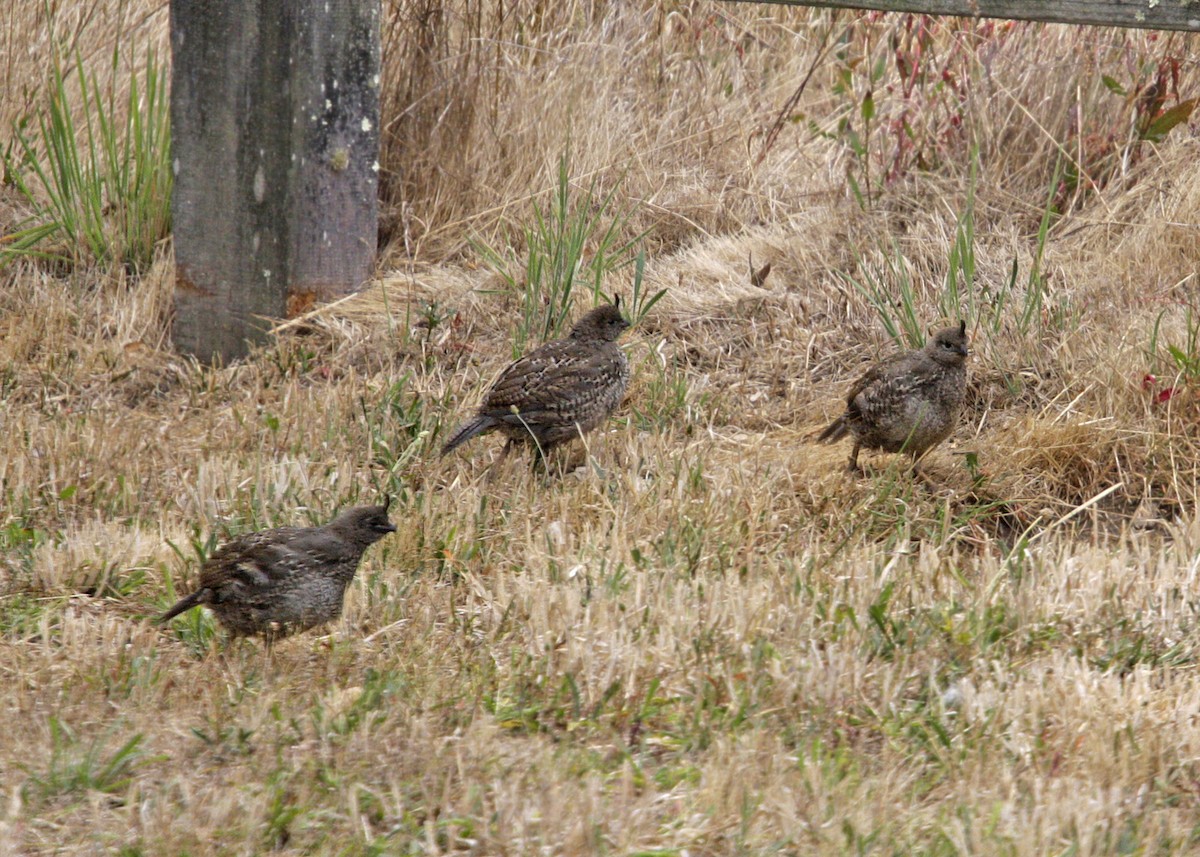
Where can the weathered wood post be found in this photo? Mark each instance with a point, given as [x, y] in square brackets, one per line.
[275, 140]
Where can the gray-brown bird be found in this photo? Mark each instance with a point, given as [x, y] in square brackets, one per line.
[559, 391]
[285, 580]
[908, 402]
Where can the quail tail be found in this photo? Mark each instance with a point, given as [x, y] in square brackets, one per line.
[467, 431]
[836, 430]
[185, 604]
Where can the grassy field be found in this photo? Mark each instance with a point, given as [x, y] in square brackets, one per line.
[704, 637]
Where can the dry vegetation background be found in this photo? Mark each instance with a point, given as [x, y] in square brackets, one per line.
[708, 639]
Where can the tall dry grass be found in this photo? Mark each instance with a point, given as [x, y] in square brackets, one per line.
[707, 639]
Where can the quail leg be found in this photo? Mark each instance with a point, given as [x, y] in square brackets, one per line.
[852, 466]
[541, 458]
[918, 472]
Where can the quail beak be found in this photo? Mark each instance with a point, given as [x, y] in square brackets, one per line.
[964, 351]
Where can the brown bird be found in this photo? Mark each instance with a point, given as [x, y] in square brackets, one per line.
[559, 391]
[288, 579]
[908, 402]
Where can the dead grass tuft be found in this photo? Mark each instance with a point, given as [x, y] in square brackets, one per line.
[1071, 461]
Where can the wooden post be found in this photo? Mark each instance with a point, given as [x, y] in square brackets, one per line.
[1143, 14]
[275, 140]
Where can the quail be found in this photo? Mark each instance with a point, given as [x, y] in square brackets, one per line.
[908, 402]
[281, 581]
[558, 391]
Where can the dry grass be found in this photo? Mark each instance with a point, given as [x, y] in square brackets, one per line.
[707, 639]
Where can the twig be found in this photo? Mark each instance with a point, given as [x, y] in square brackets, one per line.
[790, 104]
